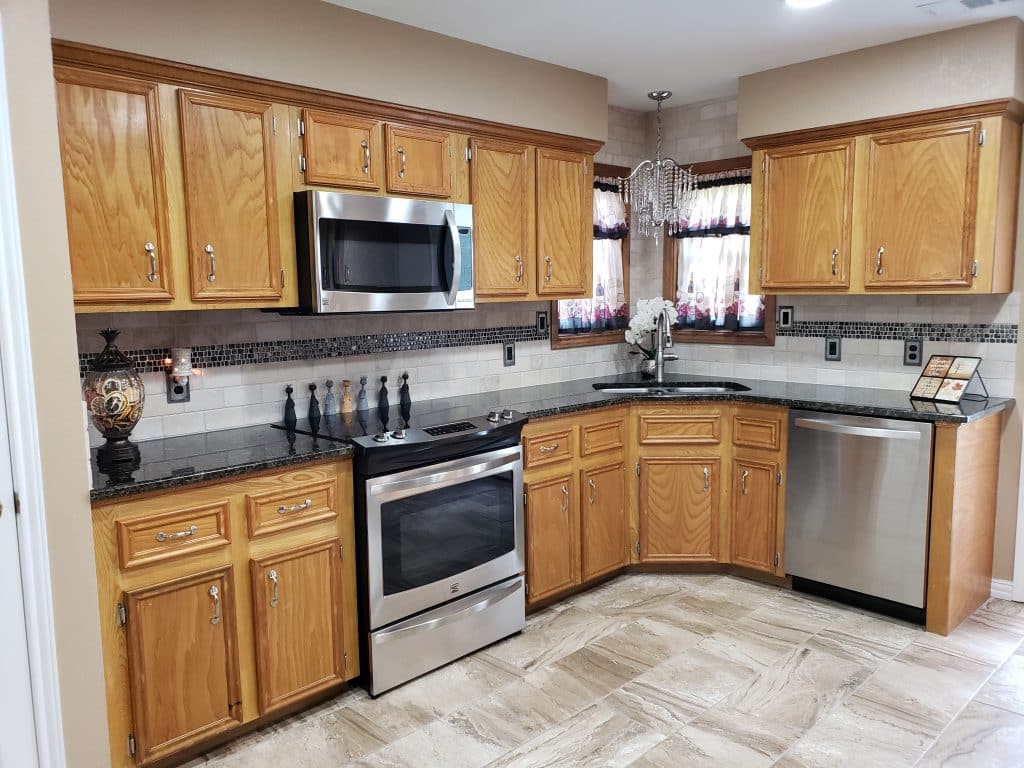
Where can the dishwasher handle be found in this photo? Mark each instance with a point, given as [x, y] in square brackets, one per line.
[849, 429]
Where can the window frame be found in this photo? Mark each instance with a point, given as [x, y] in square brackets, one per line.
[571, 340]
[670, 257]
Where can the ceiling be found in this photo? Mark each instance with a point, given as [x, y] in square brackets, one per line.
[696, 48]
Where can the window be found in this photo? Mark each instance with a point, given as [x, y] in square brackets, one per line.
[602, 318]
[707, 261]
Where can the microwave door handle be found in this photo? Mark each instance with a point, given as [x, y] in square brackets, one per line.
[453, 231]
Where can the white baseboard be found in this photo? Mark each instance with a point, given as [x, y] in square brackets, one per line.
[1002, 588]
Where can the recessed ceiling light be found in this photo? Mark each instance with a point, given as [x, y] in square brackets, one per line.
[806, 3]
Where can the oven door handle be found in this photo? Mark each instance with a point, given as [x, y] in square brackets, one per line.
[429, 478]
[453, 232]
[415, 626]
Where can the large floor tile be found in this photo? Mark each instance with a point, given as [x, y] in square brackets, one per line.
[1005, 688]
[438, 745]
[977, 639]
[559, 635]
[982, 736]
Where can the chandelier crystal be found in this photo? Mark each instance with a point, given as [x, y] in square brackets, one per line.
[658, 191]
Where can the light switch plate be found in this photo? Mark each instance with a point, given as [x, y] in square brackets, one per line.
[508, 354]
[542, 322]
[833, 348]
[786, 316]
[913, 352]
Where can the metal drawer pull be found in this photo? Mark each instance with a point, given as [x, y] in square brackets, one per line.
[190, 531]
[548, 448]
[212, 276]
[707, 479]
[215, 594]
[878, 260]
[835, 255]
[366, 155]
[283, 510]
[274, 597]
[151, 250]
[551, 269]
[565, 499]
[743, 481]
[593, 491]
[401, 159]
[520, 267]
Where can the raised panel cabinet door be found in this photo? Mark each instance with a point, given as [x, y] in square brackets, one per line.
[552, 536]
[679, 507]
[754, 518]
[183, 663]
[115, 194]
[565, 223]
[297, 610]
[342, 150]
[807, 216]
[419, 161]
[922, 192]
[501, 192]
[604, 520]
[230, 197]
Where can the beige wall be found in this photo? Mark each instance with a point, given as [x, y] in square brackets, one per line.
[313, 43]
[26, 35]
[959, 66]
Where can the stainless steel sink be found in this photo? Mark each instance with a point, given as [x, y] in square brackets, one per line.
[674, 389]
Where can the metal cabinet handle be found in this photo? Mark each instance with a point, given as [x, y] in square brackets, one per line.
[707, 479]
[401, 161]
[190, 531]
[212, 275]
[835, 255]
[878, 260]
[274, 597]
[215, 594]
[548, 448]
[283, 510]
[551, 269]
[593, 490]
[743, 481]
[366, 155]
[151, 250]
[565, 499]
[520, 267]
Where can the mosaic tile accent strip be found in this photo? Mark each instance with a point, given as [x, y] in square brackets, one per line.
[256, 352]
[988, 333]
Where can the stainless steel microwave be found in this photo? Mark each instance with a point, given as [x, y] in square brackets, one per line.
[359, 253]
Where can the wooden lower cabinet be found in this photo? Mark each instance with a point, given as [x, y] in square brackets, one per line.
[754, 507]
[604, 520]
[552, 535]
[183, 662]
[299, 636]
[679, 508]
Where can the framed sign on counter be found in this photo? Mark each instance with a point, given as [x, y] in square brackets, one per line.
[945, 378]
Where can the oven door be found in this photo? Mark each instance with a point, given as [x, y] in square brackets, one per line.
[390, 254]
[441, 531]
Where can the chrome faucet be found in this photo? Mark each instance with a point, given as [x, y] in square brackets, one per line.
[663, 341]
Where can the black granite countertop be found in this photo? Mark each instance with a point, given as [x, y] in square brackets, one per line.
[179, 461]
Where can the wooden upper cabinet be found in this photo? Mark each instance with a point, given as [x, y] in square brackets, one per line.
[297, 608]
[806, 217]
[755, 496]
[501, 190]
[679, 509]
[565, 223]
[419, 161]
[183, 662]
[231, 197]
[604, 520]
[114, 189]
[922, 191]
[342, 150]
[552, 536]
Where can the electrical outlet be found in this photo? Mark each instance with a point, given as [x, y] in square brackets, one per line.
[542, 322]
[913, 352]
[786, 316]
[833, 349]
[178, 391]
[509, 353]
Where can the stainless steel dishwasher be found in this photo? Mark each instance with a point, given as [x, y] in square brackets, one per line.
[857, 505]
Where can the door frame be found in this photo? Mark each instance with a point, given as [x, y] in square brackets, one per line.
[16, 361]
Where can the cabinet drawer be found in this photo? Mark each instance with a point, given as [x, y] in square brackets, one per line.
[605, 436]
[171, 535]
[764, 432]
[297, 505]
[548, 448]
[680, 428]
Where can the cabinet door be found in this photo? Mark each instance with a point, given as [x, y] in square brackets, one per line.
[114, 191]
[679, 507]
[419, 161]
[552, 536]
[183, 662]
[297, 608]
[501, 192]
[342, 150]
[230, 197]
[754, 513]
[921, 202]
[807, 216]
[605, 520]
[565, 223]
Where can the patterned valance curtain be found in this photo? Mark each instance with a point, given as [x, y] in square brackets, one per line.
[714, 257]
[608, 310]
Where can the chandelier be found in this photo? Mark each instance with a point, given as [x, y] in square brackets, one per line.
[658, 190]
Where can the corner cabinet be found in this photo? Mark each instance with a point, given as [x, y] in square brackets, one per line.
[920, 203]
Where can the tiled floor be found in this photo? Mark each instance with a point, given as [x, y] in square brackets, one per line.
[674, 671]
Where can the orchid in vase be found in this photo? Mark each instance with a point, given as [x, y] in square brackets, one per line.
[643, 324]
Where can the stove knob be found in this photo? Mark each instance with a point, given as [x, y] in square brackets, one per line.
[398, 434]
[493, 416]
[507, 414]
[381, 437]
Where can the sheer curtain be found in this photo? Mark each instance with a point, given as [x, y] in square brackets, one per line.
[608, 310]
[713, 260]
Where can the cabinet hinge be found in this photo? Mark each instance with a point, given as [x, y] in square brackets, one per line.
[764, 165]
[778, 477]
[527, 588]
[524, 500]
[638, 469]
[122, 615]
[344, 661]
[302, 163]
[469, 154]
[981, 138]
[301, 127]
[131, 744]
[636, 547]
[778, 559]
[974, 268]
[341, 551]
[273, 124]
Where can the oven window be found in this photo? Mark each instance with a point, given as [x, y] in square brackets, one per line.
[382, 257]
[439, 534]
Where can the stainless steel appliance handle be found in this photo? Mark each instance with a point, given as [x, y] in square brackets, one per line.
[453, 231]
[849, 429]
[412, 627]
[416, 481]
